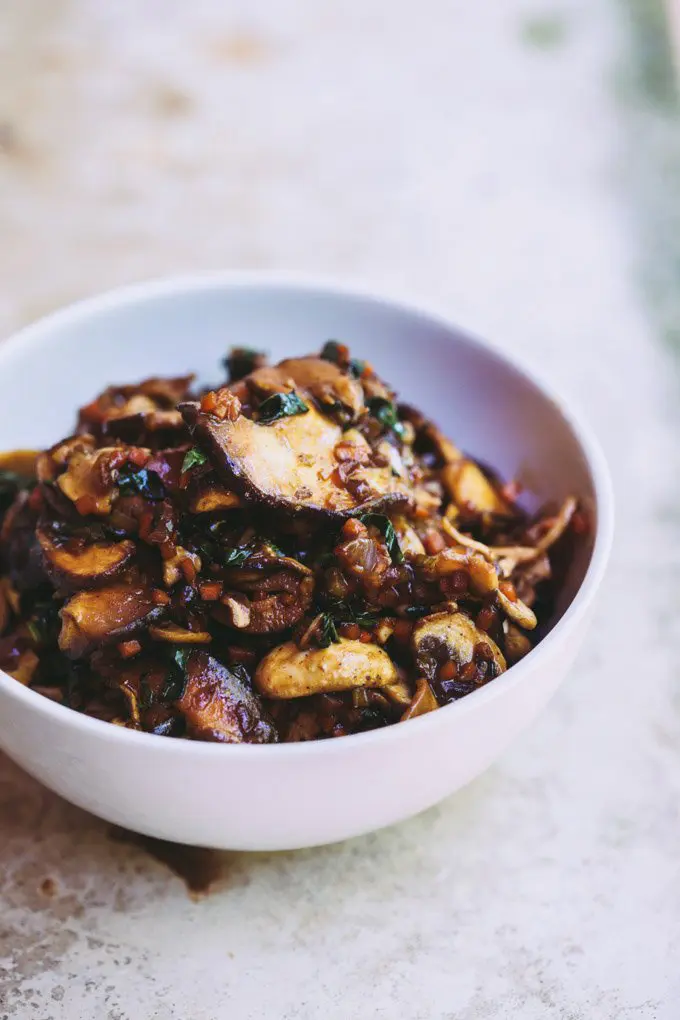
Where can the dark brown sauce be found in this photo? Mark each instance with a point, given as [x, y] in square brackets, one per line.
[198, 867]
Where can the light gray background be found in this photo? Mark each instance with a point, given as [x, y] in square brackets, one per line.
[515, 162]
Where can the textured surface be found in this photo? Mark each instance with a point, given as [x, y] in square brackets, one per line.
[508, 161]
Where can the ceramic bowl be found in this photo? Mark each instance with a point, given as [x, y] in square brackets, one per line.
[297, 795]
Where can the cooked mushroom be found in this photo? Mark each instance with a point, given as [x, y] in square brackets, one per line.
[469, 487]
[409, 542]
[182, 564]
[24, 669]
[175, 635]
[291, 672]
[446, 637]
[517, 644]
[89, 480]
[20, 462]
[84, 566]
[482, 574]
[92, 619]
[288, 464]
[517, 611]
[219, 705]
[333, 389]
[213, 497]
[282, 600]
[423, 701]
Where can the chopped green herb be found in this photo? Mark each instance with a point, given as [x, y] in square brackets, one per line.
[140, 482]
[175, 682]
[281, 405]
[384, 524]
[235, 557]
[44, 623]
[194, 458]
[350, 612]
[327, 633]
[145, 693]
[386, 413]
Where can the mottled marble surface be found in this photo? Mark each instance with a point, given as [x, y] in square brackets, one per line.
[515, 162]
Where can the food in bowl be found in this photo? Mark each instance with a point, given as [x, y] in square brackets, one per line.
[290, 556]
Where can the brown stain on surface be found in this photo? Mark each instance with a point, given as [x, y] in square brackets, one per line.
[242, 49]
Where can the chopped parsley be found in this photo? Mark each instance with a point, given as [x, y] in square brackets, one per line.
[385, 526]
[281, 405]
[386, 413]
[327, 632]
[193, 458]
[140, 482]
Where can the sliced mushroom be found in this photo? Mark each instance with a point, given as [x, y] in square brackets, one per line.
[219, 705]
[104, 616]
[25, 668]
[214, 497]
[85, 567]
[238, 609]
[125, 401]
[291, 672]
[158, 429]
[423, 701]
[89, 479]
[176, 566]
[482, 574]
[282, 600]
[469, 487]
[465, 540]
[517, 611]
[446, 637]
[20, 462]
[330, 387]
[173, 634]
[517, 644]
[409, 542]
[288, 464]
[399, 693]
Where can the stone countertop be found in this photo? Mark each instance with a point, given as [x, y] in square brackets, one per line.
[515, 163]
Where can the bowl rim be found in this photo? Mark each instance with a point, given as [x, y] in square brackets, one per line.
[41, 331]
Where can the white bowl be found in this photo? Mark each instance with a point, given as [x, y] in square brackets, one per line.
[287, 796]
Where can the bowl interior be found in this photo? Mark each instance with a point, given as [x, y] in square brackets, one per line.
[489, 408]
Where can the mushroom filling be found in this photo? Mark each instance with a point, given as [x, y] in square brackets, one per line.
[291, 555]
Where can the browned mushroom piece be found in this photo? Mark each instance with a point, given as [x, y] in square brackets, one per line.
[73, 564]
[290, 464]
[423, 701]
[171, 633]
[469, 488]
[20, 462]
[89, 480]
[276, 602]
[219, 705]
[211, 497]
[92, 619]
[155, 394]
[155, 429]
[332, 389]
[449, 637]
